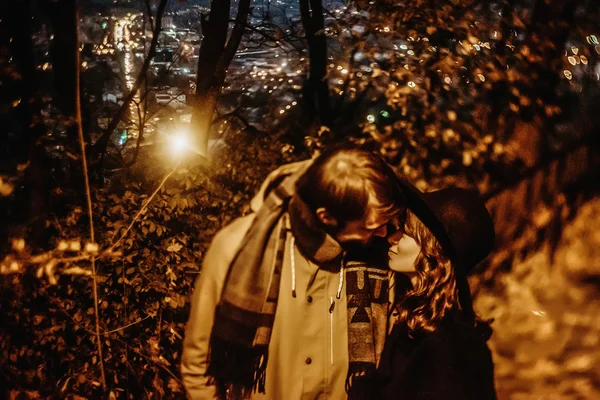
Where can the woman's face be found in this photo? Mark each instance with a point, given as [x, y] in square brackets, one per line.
[405, 246]
[403, 255]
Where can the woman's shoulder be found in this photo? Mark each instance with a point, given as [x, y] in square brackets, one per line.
[453, 362]
[457, 341]
[458, 327]
[458, 338]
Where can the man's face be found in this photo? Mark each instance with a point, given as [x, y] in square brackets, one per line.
[377, 222]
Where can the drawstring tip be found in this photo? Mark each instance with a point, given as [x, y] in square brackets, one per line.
[293, 261]
[338, 295]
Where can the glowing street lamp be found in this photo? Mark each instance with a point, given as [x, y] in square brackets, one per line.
[179, 144]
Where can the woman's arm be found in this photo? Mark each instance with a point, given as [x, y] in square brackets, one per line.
[439, 369]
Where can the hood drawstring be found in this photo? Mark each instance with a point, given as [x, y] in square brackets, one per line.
[293, 262]
[293, 259]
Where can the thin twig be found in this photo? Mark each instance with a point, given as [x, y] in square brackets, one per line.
[151, 360]
[127, 326]
[68, 314]
[126, 310]
[139, 213]
[159, 325]
[88, 196]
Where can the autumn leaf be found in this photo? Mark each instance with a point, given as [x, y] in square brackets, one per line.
[174, 248]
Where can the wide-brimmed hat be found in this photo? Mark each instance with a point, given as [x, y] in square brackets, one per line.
[458, 219]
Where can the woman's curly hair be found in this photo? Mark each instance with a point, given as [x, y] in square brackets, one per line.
[434, 293]
[437, 289]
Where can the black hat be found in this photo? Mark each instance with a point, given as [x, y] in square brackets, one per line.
[458, 219]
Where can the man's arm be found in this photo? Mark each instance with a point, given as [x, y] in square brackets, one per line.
[207, 294]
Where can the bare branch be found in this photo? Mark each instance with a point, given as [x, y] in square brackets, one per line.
[88, 195]
[100, 145]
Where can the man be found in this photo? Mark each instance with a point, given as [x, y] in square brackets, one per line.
[287, 306]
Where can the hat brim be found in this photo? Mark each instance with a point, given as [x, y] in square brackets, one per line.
[419, 206]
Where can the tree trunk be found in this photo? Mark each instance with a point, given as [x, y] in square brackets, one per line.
[19, 28]
[316, 87]
[63, 50]
[216, 53]
[17, 21]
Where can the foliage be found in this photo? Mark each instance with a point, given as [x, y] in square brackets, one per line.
[462, 89]
[47, 331]
[440, 90]
[5, 188]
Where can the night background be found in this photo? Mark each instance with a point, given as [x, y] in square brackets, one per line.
[132, 130]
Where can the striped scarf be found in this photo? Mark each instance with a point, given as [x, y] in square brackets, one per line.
[245, 314]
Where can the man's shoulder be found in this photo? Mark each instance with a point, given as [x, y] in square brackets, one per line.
[230, 236]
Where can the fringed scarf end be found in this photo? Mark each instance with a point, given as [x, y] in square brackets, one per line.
[235, 370]
[360, 379]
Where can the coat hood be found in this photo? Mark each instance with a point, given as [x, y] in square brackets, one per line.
[275, 178]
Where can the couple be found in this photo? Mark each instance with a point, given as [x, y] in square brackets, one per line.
[297, 300]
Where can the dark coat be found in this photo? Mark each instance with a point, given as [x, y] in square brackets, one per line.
[453, 363]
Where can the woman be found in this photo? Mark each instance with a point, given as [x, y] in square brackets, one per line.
[437, 348]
